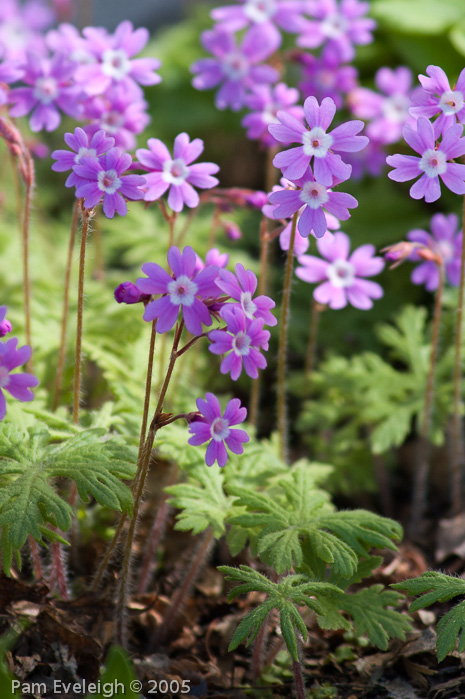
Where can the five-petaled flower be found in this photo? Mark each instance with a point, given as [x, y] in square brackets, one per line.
[185, 289]
[215, 426]
[341, 274]
[446, 241]
[241, 287]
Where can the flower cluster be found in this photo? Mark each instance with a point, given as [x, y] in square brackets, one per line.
[437, 142]
[94, 77]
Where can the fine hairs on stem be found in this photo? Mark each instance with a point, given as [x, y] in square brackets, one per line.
[86, 215]
[312, 338]
[282, 350]
[421, 477]
[64, 317]
[457, 448]
[264, 243]
[298, 679]
[143, 464]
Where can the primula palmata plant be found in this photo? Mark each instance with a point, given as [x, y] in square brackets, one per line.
[164, 371]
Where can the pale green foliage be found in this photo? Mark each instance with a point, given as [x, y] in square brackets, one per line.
[118, 668]
[438, 587]
[29, 503]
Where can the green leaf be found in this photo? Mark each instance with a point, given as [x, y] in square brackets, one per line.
[438, 587]
[29, 503]
[450, 628]
[418, 16]
[118, 669]
[369, 610]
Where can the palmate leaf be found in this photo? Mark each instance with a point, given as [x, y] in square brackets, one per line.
[369, 609]
[285, 596]
[438, 587]
[29, 502]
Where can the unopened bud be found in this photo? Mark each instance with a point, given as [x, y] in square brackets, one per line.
[232, 230]
[127, 292]
[400, 252]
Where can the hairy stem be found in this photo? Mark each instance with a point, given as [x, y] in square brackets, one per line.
[298, 679]
[142, 470]
[282, 350]
[35, 555]
[148, 565]
[191, 576]
[26, 279]
[421, 476]
[312, 337]
[105, 562]
[264, 243]
[58, 576]
[80, 308]
[64, 317]
[258, 651]
[457, 449]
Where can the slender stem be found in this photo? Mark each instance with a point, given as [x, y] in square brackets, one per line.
[148, 566]
[264, 243]
[17, 188]
[58, 571]
[282, 412]
[64, 317]
[99, 272]
[78, 357]
[191, 576]
[142, 468]
[312, 337]
[457, 474]
[214, 227]
[26, 279]
[420, 486]
[190, 217]
[172, 224]
[35, 555]
[101, 570]
[298, 679]
[258, 651]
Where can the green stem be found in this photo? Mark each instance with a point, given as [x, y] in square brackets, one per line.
[80, 310]
[457, 474]
[64, 317]
[421, 476]
[282, 408]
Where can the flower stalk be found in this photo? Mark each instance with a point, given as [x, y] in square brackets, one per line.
[86, 214]
[457, 447]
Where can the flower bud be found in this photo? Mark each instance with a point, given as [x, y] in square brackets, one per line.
[5, 327]
[232, 230]
[127, 292]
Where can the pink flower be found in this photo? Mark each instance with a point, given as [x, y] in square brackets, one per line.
[177, 174]
[437, 97]
[265, 102]
[215, 426]
[341, 274]
[5, 325]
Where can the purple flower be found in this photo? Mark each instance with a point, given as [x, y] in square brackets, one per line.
[433, 163]
[81, 145]
[316, 143]
[445, 240]
[120, 112]
[264, 14]
[67, 40]
[241, 287]
[215, 426]
[114, 62]
[315, 197]
[437, 97]
[127, 292]
[387, 113]
[22, 26]
[340, 273]
[17, 385]
[50, 88]
[265, 102]
[324, 76]
[235, 68]
[176, 174]
[338, 25]
[242, 339]
[5, 325]
[103, 176]
[10, 72]
[184, 289]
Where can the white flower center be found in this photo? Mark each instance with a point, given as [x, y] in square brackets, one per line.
[269, 114]
[259, 10]
[446, 250]
[219, 429]
[314, 194]
[433, 162]
[334, 26]
[451, 102]
[341, 273]
[235, 66]
[4, 377]
[175, 171]
[182, 291]
[396, 108]
[241, 344]
[316, 142]
[46, 90]
[108, 181]
[111, 122]
[248, 306]
[115, 64]
[91, 152]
